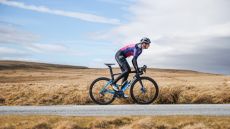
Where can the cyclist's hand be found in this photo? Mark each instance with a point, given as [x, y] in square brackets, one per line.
[143, 69]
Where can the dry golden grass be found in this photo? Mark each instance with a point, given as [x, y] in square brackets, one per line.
[134, 122]
[63, 85]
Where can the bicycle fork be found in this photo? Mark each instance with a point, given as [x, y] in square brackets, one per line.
[143, 89]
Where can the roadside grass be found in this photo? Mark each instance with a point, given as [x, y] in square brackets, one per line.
[70, 86]
[114, 122]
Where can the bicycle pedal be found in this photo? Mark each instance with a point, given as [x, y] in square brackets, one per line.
[119, 94]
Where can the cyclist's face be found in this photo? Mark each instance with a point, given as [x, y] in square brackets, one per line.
[145, 45]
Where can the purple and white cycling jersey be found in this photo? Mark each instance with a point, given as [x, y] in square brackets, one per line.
[131, 50]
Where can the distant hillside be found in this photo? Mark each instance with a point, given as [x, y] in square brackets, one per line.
[5, 64]
[180, 71]
[11, 65]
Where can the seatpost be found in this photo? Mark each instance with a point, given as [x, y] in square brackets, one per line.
[111, 72]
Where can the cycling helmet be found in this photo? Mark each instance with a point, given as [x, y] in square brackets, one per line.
[145, 40]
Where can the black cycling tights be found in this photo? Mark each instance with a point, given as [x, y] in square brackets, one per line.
[125, 68]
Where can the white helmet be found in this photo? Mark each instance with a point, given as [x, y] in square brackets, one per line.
[145, 40]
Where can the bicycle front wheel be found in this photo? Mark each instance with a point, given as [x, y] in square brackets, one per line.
[101, 92]
[144, 90]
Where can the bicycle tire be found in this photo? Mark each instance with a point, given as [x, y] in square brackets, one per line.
[92, 95]
[154, 96]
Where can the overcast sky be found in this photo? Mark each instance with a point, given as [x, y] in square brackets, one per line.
[186, 34]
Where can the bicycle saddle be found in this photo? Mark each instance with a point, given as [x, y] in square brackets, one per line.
[109, 64]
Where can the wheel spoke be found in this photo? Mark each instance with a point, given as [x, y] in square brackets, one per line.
[100, 92]
[146, 95]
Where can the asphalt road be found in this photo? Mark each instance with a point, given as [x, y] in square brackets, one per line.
[119, 110]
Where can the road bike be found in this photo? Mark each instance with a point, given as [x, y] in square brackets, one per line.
[143, 89]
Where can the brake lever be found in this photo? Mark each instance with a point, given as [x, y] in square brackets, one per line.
[144, 68]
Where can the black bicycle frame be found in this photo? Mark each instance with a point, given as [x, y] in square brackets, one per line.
[112, 75]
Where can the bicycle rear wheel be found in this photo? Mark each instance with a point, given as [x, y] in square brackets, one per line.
[101, 92]
[146, 94]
